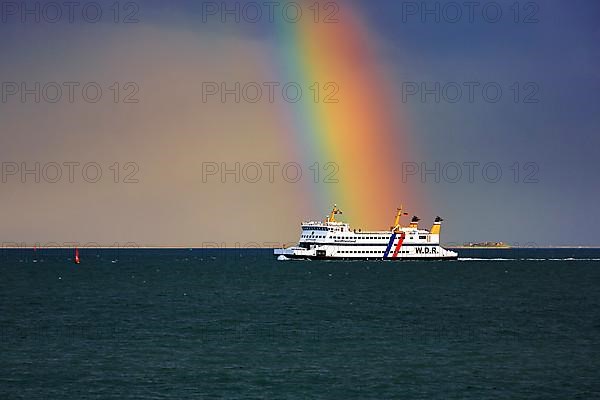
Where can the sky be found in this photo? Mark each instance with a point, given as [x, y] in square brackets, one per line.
[491, 115]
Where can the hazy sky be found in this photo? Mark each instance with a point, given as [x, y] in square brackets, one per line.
[151, 135]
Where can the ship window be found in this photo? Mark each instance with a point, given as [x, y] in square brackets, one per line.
[422, 237]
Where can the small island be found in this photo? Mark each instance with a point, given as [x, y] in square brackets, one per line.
[487, 244]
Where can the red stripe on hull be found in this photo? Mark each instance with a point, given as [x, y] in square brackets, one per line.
[397, 249]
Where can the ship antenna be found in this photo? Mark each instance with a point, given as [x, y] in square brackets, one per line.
[334, 211]
[399, 214]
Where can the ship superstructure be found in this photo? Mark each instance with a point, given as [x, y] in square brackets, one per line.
[330, 239]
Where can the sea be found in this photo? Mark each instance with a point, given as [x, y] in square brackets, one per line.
[238, 324]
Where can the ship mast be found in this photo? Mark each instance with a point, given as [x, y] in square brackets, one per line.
[397, 225]
[334, 211]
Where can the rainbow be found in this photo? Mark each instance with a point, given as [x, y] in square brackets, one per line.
[359, 128]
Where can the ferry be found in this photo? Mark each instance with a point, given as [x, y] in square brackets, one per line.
[334, 240]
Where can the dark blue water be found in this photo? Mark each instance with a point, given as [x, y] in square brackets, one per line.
[181, 324]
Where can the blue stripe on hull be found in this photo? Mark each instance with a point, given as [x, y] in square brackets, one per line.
[389, 246]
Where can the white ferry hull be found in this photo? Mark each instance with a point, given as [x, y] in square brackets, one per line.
[333, 240]
[430, 253]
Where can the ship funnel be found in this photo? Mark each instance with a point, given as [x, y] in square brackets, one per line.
[437, 226]
[414, 222]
